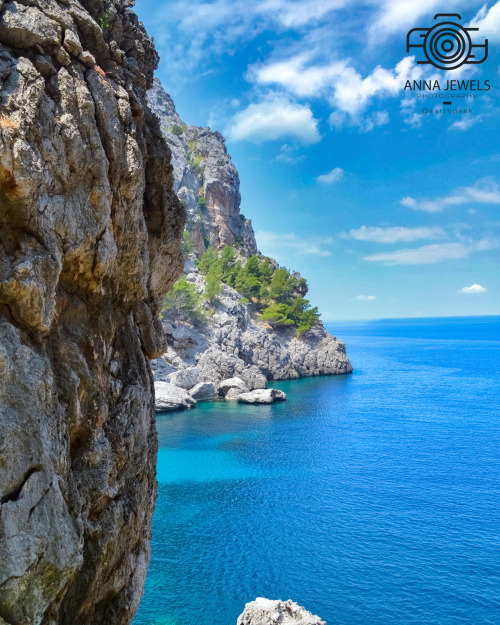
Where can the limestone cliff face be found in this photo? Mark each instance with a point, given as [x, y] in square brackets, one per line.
[205, 180]
[90, 230]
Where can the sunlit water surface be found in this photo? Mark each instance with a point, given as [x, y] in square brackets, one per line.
[371, 499]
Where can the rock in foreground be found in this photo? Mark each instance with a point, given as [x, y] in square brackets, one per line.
[266, 612]
[262, 396]
[89, 244]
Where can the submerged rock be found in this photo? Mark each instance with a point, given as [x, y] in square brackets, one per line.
[267, 612]
[262, 396]
[169, 397]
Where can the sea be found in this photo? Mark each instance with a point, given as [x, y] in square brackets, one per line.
[369, 499]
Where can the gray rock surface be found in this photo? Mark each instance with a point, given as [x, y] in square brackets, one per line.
[233, 394]
[185, 378]
[169, 397]
[267, 612]
[233, 343]
[206, 181]
[262, 396]
[204, 391]
[89, 243]
[231, 383]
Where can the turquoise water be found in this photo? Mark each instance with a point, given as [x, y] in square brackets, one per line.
[371, 499]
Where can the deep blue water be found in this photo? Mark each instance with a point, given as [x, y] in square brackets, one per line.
[371, 499]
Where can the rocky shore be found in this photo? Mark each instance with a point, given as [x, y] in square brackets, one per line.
[202, 356]
[92, 215]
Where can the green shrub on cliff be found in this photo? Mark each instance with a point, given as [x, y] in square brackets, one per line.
[214, 284]
[187, 245]
[176, 130]
[274, 292]
[183, 298]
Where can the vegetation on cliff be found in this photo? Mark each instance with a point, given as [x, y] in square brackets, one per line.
[274, 293]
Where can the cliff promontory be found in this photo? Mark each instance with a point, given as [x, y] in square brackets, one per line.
[235, 313]
[90, 231]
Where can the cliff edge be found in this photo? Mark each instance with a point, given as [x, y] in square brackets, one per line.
[90, 242]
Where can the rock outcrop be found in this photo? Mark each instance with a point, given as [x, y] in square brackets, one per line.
[235, 351]
[266, 612]
[231, 342]
[206, 180]
[90, 231]
[169, 397]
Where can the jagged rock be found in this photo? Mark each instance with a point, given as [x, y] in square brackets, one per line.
[233, 343]
[72, 43]
[89, 243]
[204, 391]
[169, 397]
[253, 378]
[161, 370]
[185, 378]
[203, 168]
[266, 612]
[26, 26]
[226, 385]
[262, 396]
[233, 394]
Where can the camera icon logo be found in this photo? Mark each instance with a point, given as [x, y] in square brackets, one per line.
[447, 45]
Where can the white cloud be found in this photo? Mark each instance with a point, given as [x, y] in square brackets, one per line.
[430, 254]
[288, 155]
[474, 288]
[366, 298]
[466, 123]
[400, 15]
[488, 22]
[397, 234]
[485, 191]
[272, 243]
[345, 89]
[272, 119]
[189, 31]
[332, 176]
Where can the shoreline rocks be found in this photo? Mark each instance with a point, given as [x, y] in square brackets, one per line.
[262, 396]
[169, 397]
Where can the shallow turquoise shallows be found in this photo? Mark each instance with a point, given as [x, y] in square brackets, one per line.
[371, 499]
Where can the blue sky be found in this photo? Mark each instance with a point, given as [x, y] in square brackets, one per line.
[386, 212]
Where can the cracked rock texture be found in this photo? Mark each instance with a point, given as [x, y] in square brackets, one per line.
[205, 180]
[90, 232]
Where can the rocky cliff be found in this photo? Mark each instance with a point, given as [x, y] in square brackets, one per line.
[231, 340]
[205, 180]
[90, 242]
